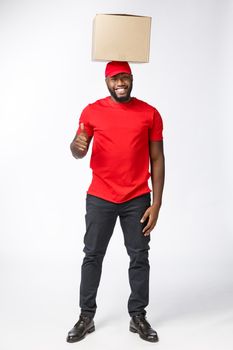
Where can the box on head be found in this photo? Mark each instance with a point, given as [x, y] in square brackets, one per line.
[121, 37]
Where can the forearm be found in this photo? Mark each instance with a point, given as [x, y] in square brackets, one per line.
[157, 179]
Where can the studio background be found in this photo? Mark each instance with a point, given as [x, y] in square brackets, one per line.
[46, 79]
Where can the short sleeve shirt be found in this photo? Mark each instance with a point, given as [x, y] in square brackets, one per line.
[120, 153]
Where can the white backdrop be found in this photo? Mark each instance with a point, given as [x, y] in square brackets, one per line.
[46, 79]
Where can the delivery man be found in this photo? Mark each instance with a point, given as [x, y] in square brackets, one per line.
[127, 142]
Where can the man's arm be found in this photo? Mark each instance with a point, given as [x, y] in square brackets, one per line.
[79, 145]
[157, 179]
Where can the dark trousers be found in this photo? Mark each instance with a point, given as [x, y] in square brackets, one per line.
[101, 216]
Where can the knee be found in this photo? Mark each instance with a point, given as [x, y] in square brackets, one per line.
[139, 257]
[93, 256]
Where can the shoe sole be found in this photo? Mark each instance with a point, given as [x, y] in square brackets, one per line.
[134, 330]
[74, 340]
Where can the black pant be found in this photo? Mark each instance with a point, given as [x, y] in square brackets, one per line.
[101, 218]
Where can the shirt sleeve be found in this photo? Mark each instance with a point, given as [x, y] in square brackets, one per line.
[85, 119]
[156, 131]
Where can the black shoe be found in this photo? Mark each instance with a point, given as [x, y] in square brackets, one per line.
[139, 324]
[84, 325]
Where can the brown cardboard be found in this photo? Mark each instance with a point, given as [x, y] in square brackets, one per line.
[118, 37]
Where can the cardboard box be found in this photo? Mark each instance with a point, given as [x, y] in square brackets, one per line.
[118, 37]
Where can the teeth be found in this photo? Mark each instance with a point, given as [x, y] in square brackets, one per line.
[120, 90]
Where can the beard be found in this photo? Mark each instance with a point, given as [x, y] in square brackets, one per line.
[122, 98]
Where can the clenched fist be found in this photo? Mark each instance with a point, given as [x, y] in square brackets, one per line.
[79, 146]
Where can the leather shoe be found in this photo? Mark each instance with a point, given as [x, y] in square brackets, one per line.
[84, 325]
[139, 324]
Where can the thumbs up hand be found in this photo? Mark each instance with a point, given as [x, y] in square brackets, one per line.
[79, 146]
[81, 140]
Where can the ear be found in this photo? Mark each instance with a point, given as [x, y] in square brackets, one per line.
[107, 81]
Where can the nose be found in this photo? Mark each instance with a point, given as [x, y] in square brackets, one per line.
[120, 81]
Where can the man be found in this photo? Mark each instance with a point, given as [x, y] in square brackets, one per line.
[127, 136]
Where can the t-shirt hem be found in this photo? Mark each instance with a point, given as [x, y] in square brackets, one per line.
[156, 139]
[119, 201]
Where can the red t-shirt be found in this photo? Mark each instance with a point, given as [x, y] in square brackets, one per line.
[120, 152]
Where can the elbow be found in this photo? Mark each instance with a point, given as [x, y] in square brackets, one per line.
[158, 159]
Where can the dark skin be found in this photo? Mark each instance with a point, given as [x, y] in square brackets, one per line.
[157, 179]
[120, 87]
[80, 144]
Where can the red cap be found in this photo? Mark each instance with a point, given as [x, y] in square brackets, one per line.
[116, 67]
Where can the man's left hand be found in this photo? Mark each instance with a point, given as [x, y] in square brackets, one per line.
[151, 214]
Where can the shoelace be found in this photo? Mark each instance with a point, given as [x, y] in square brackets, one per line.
[142, 319]
[82, 320]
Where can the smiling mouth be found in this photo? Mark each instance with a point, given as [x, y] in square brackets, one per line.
[121, 90]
